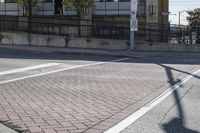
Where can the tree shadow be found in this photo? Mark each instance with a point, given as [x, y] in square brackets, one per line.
[177, 124]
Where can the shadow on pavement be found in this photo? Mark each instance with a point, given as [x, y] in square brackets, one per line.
[17, 54]
[177, 124]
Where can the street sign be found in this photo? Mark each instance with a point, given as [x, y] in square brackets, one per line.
[165, 13]
[133, 16]
[134, 25]
[134, 5]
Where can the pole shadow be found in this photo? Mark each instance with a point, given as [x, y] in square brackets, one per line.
[176, 124]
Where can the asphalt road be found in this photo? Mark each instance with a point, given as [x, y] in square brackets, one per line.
[179, 113]
[67, 93]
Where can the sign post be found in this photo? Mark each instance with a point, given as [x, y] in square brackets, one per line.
[133, 23]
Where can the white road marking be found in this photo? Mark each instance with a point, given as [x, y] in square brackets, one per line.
[142, 111]
[28, 68]
[60, 70]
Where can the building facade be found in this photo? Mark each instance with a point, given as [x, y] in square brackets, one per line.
[150, 11]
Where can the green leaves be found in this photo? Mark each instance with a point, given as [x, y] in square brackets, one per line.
[194, 17]
[80, 6]
[25, 2]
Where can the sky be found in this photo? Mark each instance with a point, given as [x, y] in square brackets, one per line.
[180, 5]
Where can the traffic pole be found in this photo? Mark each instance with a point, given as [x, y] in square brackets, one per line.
[133, 23]
[132, 37]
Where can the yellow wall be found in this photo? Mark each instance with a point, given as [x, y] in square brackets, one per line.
[163, 6]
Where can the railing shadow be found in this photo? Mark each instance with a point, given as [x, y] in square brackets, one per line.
[176, 124]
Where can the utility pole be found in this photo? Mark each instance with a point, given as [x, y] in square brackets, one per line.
[133, 23]
[179, 18]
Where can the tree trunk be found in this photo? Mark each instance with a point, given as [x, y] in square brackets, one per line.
[85, 24]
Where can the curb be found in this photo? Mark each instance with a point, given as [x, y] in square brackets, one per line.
[132, 54]
[48, 50]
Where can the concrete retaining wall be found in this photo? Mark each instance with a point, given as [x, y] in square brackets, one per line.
[159, 46]
[70, 42]
[61, 41]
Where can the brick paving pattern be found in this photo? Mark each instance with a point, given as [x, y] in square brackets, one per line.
[88, 99]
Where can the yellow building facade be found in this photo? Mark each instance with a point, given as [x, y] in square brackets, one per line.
[157, 11]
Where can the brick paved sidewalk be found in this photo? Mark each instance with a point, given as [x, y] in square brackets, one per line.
[88, 99]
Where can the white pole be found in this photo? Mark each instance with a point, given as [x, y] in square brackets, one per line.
[133, 23]
[132, 34]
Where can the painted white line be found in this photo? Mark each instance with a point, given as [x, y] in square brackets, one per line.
[28, 68]
[5, 129]
[142, 111]
[60, 70]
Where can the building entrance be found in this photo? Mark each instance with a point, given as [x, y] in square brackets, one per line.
[58, 6]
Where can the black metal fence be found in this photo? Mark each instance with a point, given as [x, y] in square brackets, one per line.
[185, 35]
[63, 26]
[106, 29]
[173, 34]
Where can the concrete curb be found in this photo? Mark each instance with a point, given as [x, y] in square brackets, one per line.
[38, 49]
[4, 129]
[115, 53]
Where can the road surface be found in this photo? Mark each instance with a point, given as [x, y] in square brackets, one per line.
[63, 93]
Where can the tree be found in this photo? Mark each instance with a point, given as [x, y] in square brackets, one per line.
[83, 10]
[25, 5]
[194, 17]
[81, 6]
[25, 2]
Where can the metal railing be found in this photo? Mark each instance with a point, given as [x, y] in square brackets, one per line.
[72, 27]
[96, 28]
[47, 7]
[185, 35]
[15, 9]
